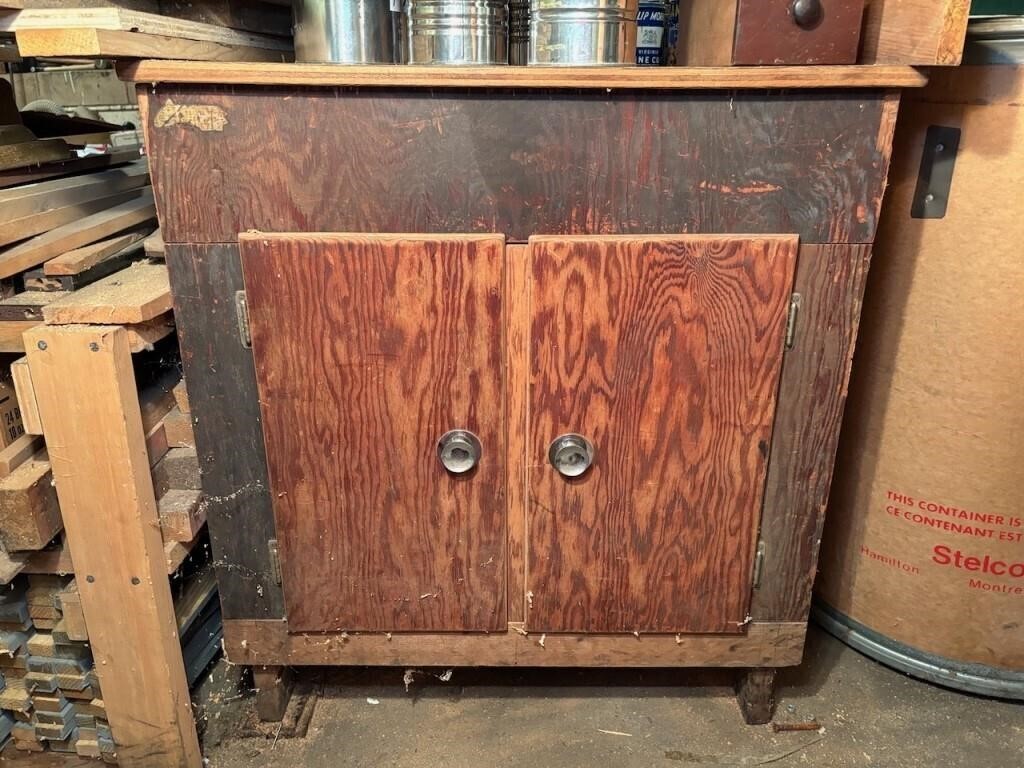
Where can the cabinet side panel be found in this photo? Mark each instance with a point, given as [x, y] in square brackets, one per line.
[226, 420]
[812, 394]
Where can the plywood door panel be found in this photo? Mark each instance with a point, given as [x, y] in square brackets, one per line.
[665, 353]
[368, 348]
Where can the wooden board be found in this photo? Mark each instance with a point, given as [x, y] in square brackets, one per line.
[78, 260]
[31, 199]
[271, 642]
[134, 295]
[20, 229]
[17, 452]
[22, 377]
[572, 78]
[11, 331]
[76, 234]
[378, 345]
[665, 353]
[766, 33]
[517, 367]
[226, 417]
[29, 514]
[649, 163]
[102, 43]
[918, 32]
[32, 153]
[99, 462]
[27, 305]
[53, 170]
[707, 31]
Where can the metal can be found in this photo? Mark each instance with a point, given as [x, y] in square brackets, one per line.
[344, 31]
[650, 33]
[582, 32]
[456, 31]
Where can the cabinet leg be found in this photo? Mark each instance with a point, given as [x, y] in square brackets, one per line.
[273, 690]
[756, 695]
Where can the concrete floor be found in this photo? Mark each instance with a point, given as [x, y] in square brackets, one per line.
[870, 716]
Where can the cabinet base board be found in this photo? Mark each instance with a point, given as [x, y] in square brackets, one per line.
[268, 642]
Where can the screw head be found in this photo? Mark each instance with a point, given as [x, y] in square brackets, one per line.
[929, 198]
[135, 580]
[94, 346]
[41, 345]
[90, 579]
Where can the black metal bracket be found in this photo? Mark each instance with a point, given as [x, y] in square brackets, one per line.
[935, 178]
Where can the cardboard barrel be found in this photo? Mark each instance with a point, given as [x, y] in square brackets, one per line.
[922, 563]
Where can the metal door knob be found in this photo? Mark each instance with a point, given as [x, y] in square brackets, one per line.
[807, 13]
[571, 455]
[459, 451]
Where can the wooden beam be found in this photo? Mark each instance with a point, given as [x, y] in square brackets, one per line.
[76, 234]
[137, 294]
[27, 305]
[181, 515]
[573, 78]
[33, 153]
[12, 334]
[20, 450]
[99, 460]
[78, 165]
[29, 513]
[26, 393]
[102, 43]
[269, 642]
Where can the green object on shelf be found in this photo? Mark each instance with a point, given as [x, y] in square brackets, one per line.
[997, 8]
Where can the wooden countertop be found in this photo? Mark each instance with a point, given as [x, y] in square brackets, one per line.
[396, 76]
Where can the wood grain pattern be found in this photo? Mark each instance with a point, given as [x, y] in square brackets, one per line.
[226, 418]
[707, 31]
[572, 78]
[103, 43]
[916, 32]
[577, 163]
[368, 349]
[271, 642]
[766, 33]
[665, 353]
[812, 395]
[517, 344]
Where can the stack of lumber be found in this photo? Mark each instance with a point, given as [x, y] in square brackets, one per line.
[51, 695]
[203, 30]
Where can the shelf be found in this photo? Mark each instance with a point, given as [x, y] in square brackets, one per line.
[646, 78]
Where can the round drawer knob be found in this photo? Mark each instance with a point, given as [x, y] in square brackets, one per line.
[807, 13]
[459, 451]
[571, 455]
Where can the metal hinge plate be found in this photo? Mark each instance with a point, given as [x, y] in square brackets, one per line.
[275, 560]
[758, 564]
[791, 318]
[935, 176]
[242, 312]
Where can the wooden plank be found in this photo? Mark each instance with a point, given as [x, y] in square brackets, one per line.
[271, 642]
[225, 405]
[20, 229]
[812, 394]
[73, 615]
[181, 397]
[18, 451]
[27, 305]
[181, 515]
[102, 43]
[29, 514]
[78, 260]
[176, 552]
[413, 351]
[99, 460]
[76, 234]
[137, 294]
[746, 163]
[918, 32]
[52, 560]
[33, 153]
[32, 199]
[573, 78]
[120, 19]
[673, 379]
[80, 165]
[11, 334]
[707, 31]
[154, 245]
[142, 336]
[517, 314]
[26, 393]
[37, 280]
[178, 427]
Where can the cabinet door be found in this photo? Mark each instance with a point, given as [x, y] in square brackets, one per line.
[797, 31]
[368, 349]
[665, 354]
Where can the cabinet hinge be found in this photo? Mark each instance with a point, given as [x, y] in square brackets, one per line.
[242, 312]
[275, 560]
[758, 564]
[791, 318]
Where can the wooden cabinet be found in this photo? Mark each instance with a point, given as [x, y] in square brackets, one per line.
[615, 267]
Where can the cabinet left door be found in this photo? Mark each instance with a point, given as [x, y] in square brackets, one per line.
[369, 350]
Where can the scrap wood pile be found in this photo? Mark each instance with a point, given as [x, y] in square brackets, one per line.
[202, 30]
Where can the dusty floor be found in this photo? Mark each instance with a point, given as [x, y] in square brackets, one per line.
[871, 716]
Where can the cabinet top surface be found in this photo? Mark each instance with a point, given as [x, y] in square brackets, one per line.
[646, 78]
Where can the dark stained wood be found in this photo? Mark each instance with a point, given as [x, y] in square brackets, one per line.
[226, 418]
[812, 394]
[767, 33]
[755, 694]
[366, 160]
[665, 353]
[368, 348]
[273, 691]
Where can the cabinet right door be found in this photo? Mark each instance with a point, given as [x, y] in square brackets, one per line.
[656, 361]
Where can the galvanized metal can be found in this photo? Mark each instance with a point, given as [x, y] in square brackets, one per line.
[582, 32]
[650, 33]
[455, 31]
[344, 31]
[518, 31]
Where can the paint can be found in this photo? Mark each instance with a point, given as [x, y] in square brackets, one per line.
[650, 33]
[922, 561]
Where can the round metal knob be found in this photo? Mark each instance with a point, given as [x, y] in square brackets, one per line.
[807, 13]
[459, 451]
[571, 455]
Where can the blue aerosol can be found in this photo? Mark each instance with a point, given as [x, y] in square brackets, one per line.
[650, 33]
